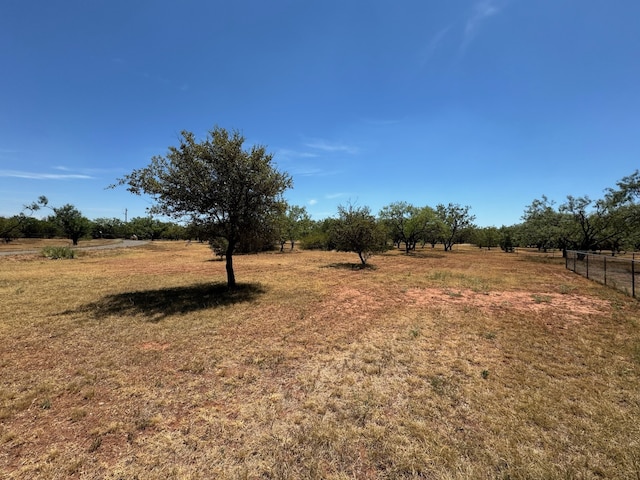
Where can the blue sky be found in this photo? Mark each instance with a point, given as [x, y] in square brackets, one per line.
[487, 103]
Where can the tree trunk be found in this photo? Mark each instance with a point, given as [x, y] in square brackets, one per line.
[231, 278]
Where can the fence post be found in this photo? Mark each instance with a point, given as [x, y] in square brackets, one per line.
[605, 270]
[633, 278]
[587, 263]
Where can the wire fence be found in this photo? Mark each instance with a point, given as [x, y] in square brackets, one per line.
[620, 273]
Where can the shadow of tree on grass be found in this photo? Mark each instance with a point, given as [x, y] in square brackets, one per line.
[351, 266]
[163, 302]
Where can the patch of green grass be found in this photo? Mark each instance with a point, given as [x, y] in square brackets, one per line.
[56, 253]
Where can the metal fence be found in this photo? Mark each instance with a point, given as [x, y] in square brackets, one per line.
[620, 273]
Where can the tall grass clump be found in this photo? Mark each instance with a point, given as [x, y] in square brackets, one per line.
[58, 252]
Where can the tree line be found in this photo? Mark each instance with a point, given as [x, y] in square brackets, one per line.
[68, 222]
[215, 190]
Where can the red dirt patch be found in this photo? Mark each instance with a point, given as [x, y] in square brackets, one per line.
[570, 307]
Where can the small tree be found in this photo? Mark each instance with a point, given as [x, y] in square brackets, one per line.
[292, 225]
[72, 222]
[227, 191]
[455, 218]
[356, 230]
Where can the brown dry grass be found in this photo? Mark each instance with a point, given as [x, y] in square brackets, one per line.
[137, 363]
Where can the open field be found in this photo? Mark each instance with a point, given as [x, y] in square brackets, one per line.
[136, 363]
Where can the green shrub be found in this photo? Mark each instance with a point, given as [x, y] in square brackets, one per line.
[316, 241]
[58, 252]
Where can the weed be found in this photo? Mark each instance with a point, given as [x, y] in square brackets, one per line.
[56, 253]
[565, 289]
[541, 298]
[95, 444]
[77, 414]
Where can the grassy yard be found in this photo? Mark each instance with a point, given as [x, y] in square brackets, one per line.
[137, 363]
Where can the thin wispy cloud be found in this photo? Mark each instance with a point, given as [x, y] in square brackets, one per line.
[433, 45]
[333, 196]
[291, 154]
[329, 147]
[87, 171]
[44, 176]
[482, 11]
[313, 201]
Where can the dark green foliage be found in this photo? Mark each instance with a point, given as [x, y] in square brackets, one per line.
[507, 242]
[218, 246]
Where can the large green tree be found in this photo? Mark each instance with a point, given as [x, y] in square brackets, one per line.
[230, 192]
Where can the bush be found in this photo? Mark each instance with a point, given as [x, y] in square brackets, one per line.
[316, 241]
[219, 246]
[58, 252]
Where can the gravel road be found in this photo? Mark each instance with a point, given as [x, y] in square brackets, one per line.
[122, 244]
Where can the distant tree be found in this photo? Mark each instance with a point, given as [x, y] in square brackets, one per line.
[72, 222]
[407, 224]
[147, 228]
[542, 224]
[594, 222]
[507, 239]
[455, 219]
[625, 210]
[108, 228]
[356, 230]
[486, 237]
[292, 224]
[227, 191]
[10, 226]
[318, 235]
[174, 231]
[628, 191]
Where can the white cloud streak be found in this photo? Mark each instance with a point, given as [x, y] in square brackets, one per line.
[43, 176]
[433, 45]
[482, 11]
[332, 147]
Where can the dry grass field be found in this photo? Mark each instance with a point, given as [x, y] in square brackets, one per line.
[138, 364]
